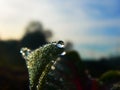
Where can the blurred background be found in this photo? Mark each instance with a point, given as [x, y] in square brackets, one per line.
[92, 28]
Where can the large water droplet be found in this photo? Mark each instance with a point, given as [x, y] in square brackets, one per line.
[60, 44]
[25, 52]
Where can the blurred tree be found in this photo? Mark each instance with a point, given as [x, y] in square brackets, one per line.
[48, 33]
[34, 36]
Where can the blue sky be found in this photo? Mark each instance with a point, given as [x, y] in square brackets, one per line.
[92, 25]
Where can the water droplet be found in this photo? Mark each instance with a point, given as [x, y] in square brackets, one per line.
[60, 44]
[25, 52]
[37, 86]
[54, 43]
[63, 53]
[55, 62]
[52, 61]
[58, 59]
[52, 67]
[28, 66]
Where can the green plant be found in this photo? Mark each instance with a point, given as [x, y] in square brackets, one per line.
[110, 76]
[39, 62]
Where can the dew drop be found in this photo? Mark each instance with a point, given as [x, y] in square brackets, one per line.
[63, 53]
[37, 86]
[60, 44]
[28, 66]
[58, 59]
[25, 52]
[52, 61]
[55, 62]
[54, 43]
[52, 67]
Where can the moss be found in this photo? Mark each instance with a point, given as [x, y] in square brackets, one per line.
[40, 61]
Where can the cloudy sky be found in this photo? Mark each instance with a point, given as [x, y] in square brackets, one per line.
[92, 25]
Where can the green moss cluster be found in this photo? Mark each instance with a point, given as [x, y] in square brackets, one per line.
[40, 61]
